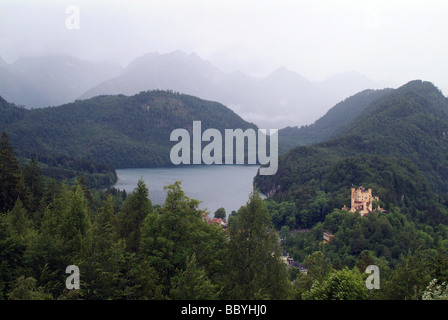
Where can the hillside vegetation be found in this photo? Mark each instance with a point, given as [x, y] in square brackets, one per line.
[397, 145]
[329, 125]
[117, 131]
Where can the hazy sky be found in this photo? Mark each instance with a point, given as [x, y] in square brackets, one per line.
[393, 41]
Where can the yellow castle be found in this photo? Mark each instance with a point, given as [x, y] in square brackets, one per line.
[362, 201]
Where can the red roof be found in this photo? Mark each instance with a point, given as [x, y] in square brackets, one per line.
[217, 221]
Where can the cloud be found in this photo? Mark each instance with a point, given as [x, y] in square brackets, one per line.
[386, 40]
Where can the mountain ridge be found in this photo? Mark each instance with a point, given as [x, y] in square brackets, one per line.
[274, 101]
[397, 145]
[123, 131]
[329, 124]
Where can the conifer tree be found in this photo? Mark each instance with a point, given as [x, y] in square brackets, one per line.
[170, 238]
[11, 183]
[76, 224]
[34, 181]
[193, 283]
[255, 270]
[102, 266]
[103, 227]
[52, 219]
[130, 218]
[18, 222]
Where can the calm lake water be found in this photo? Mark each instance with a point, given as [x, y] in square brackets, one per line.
[216, 186]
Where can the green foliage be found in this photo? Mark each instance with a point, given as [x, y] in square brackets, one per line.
[25, 289]
[128, 249]
[76, 225]
[342, 284]
[322, 187]
[11, 182]
[331, 123]
[383, 235]
[18, 224]
[116, 130]
[130, 218]
[110, 237]
[34, 181]
[283, 214]
[407, 253]
[255, 270]
[193, 283]
[176, 234]
[410, 278]
[90, 138]
[220, 213]
[396, 145]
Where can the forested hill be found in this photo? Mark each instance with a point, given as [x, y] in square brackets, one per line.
[398, 145]
[123, 131]
[329, 125]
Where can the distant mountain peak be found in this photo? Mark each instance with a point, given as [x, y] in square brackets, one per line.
[284, 74]
[156, 58]
[283, 70]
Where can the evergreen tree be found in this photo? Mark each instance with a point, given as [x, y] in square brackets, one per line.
[254, 268]
[439, 264]
[34, 180]
[76, 225]
[410, 277]
[15, 235]
[103, 227]
[193, 283]
[59, 198]
[102, 266]
[130, 218]
[17, 221]
[170, 238]
[11, 183]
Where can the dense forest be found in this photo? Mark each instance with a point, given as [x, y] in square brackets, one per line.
[92, 137]
[127, 248]
[118, 130]
[329, 125]
[56, 210]
[397, 146]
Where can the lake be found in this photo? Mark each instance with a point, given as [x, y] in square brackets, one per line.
[216, 186]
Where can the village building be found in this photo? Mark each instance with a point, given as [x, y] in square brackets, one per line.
[222, 223]
[327, 237]
[289, 261]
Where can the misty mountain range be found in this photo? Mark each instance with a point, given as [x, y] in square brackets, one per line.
[283, 98]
